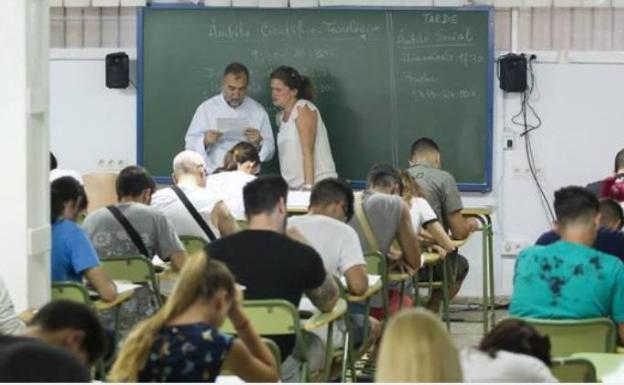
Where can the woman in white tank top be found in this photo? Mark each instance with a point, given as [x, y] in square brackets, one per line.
[302, 142]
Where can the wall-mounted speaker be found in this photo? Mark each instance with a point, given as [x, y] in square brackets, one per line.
[117, 70]
[512, 72]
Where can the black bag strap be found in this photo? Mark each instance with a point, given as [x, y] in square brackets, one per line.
[132, 233]
[193, 211]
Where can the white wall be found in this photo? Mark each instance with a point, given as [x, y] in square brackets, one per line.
[93, 128]
[580, 105]
[24, 198]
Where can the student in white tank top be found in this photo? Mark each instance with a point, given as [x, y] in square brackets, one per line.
[303, 145]
[240, 166]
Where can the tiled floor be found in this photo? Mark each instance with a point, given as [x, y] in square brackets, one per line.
[466, 333]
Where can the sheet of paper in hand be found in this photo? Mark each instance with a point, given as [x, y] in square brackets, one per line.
[233, 128]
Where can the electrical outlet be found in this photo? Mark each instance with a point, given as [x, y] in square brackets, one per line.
[524, 173]
[514, 247]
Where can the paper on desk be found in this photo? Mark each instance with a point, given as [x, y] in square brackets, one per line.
[124, 286]
[298, 199]
[233, 128]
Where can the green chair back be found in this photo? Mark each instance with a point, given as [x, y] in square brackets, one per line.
[71, 291]
[192, 243]
[275, 351]
[275, 317]
[593, 335]
[573, 370]
[376, 264]
[133, 268]
[242, 224]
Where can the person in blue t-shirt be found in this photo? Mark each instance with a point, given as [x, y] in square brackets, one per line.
[568, 279]
[609, 239]
[73, 256]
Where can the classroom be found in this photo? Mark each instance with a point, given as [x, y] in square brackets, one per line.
[300, 190]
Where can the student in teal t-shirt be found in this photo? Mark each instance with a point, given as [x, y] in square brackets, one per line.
[568, 279]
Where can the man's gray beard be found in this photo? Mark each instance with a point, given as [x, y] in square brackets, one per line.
[234, 103]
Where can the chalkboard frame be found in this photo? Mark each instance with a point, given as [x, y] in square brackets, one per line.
[483, 187]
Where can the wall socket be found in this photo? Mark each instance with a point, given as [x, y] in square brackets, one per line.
[111, 164]
[524, 173]
[514, 247]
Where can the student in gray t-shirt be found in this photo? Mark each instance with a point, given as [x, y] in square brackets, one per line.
[134, 190]
[388, 215]
[440, 190]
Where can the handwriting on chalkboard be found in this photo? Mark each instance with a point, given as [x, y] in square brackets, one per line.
[227, 31]
[331, 30]
[465, 59]
[442, 37]
[445, 93]
[419, 78]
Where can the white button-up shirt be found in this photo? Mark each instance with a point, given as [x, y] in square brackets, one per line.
[205, 119]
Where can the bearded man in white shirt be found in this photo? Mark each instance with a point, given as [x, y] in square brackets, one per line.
[203, 135]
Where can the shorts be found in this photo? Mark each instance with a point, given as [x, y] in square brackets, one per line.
[457, 269]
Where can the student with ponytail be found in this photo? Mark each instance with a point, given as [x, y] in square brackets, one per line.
[303, 145]
[73, 256]
[240, 166]
[181, 342]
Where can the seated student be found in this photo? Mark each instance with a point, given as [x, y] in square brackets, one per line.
[28, 360]
[613, 187]
[73, 255]
[240, 166]
[424, 219]
[388, 218]
[10, 323]
[56, 172]
[189, 174]
[568, 279]
[441, 192]
[331, 205]
[182, 342]
[417, 348]
[272, 266]
[135, 187]
[511, 352]
[609, 238]
[597, 187]
[71, 326]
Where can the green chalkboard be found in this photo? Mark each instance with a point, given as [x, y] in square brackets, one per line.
[383, 78]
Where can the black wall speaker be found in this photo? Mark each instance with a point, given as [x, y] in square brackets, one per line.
[117, 70]
[512, 72]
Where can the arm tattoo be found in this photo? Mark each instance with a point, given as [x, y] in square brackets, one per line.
[324, 296]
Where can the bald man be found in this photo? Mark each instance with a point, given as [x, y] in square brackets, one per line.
[189, 175]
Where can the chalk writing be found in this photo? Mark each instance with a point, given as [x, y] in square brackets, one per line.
[445, 94]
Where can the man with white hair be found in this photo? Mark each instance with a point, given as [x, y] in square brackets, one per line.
[193, 209]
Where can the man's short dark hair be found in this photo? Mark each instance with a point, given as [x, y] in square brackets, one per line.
[61, 315]
[132, 181]
[25, 359]
[619, 160]
[423, 146]
[575, 203]
[236, 69]
[611, 211]
[383, 175]
[53, 162]
[262, 194]
[332, 190]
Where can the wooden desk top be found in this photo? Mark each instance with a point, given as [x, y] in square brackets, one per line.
[121, 298]
[372, 290]
[319, 319]
[609, 366]
[485, 210]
